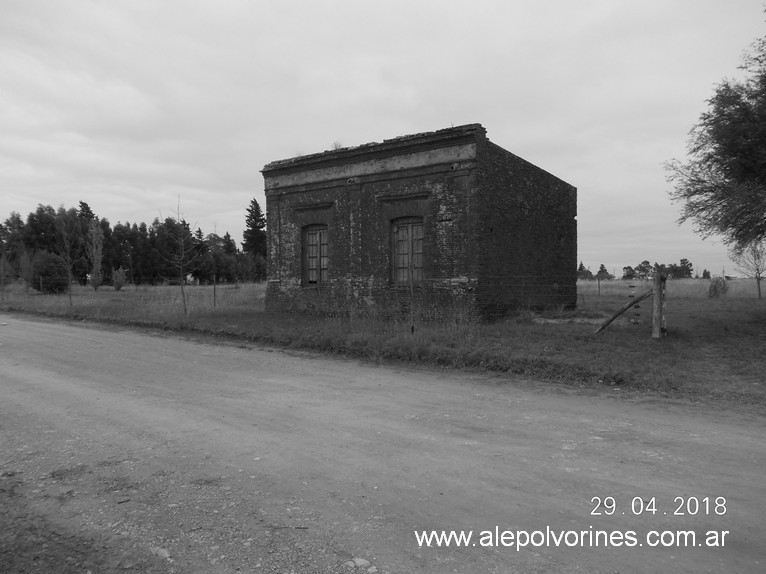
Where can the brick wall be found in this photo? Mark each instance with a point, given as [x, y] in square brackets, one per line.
[359, 220]
[498, 231]
[528, 231]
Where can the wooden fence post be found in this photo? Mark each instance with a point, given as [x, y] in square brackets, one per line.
[622, 309]
[658, 307]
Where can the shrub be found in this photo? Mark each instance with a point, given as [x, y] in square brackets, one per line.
[718, 286]
[49, 274]
[118, 278]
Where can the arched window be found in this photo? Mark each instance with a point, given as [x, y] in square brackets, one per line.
[315, 257]
[407, 250]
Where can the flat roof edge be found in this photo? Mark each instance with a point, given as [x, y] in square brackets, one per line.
[343, 155]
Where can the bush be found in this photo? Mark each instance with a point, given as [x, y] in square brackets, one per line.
[118, 278]
[718, 286]
[49, 274]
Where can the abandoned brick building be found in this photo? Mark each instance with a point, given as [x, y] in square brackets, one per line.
[445, 224]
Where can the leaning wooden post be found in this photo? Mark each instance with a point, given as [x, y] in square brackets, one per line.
[658, 307]
[622, 309]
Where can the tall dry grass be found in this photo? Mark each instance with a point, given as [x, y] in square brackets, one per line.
[147, 304]
[675, 288]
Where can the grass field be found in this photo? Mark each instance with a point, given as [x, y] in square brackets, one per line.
[715, 350]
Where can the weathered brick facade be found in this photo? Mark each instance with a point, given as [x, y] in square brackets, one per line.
[445, 224]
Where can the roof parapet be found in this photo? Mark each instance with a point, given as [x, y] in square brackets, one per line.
[386, 147]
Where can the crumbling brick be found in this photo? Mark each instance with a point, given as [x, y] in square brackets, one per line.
[498, 232]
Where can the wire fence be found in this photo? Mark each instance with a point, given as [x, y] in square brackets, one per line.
[455, 300]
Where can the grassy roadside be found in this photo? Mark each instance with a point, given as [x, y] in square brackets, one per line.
[715, 350]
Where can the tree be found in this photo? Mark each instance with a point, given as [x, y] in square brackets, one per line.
[94, 246]
[686, 268]
[13, 241]
[141, 255]
[118, 278]
[85, 212]
[603, 274]
[175, 244]
[69, 245]
[220, 259]
[25, 267]
[643, 269]
[4, 263]
[682, 270]
[583, 273]
[255, 235]
[705, 274]
[40, 231]
[229, 246]
[751, 259]
[49, 273]
[723, 182]
[110, 250]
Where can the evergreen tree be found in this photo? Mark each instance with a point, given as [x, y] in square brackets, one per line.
[229, 246]
[583, 273]
[255, 235]
[13, 239]
[85, 212]
[603, 274]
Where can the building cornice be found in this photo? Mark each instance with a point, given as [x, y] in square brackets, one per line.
[392, 147]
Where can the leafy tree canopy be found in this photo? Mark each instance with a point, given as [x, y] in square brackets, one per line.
[603, 274]
[164, 250]
[722, 185]
[628, 272]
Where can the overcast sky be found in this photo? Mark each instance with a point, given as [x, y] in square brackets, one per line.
[130, 105]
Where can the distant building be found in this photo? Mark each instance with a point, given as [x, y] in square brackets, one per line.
[445, 224]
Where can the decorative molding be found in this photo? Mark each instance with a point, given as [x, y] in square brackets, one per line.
[406, 197]
[313, 206]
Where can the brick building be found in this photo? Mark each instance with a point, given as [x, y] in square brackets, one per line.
[444, 224]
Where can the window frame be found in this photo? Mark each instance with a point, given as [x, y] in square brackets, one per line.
[315, 255]
[407, 253]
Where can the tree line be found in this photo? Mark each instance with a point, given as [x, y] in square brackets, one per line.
[644, 270]
[53, 248]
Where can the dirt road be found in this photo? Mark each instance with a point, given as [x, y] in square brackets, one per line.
[123, 451]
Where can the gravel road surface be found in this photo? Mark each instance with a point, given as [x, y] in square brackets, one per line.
[123, 451]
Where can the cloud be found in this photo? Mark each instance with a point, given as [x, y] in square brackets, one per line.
[130, 104]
